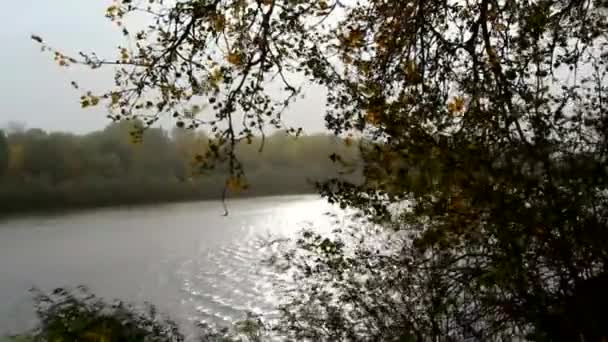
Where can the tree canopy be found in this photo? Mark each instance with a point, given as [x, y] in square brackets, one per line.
[487, 118]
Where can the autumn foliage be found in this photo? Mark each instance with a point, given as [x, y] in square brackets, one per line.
[487, 118]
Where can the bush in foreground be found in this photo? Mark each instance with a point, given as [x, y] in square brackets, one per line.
[67, 315]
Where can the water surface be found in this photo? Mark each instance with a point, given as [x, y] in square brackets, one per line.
[186, 258]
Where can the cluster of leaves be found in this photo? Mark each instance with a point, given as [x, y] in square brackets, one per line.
[362, 283]
[211, 51]
[488, 117]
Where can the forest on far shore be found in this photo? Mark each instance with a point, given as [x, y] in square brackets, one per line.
[42, 170]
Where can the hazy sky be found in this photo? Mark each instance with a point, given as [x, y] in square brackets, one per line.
[37, 93]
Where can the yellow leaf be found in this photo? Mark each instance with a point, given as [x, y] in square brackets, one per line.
[381, 42]
[216, 77]
[94, 100]
[124, 55]
[372, 117]
[111, 10]
[457, 105]
[235, 58]
[364, 66]
[236, 184]
[355, 38]
[219, 22]
[347, 58]
[115, 97]
[411, 71]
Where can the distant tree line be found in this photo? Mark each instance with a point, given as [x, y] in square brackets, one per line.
[123, 164]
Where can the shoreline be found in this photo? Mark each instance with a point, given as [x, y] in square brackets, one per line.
[59, 209]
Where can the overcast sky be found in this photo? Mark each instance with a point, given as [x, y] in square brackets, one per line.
[36, 92]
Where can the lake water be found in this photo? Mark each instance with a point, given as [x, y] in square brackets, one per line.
[187, 259]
